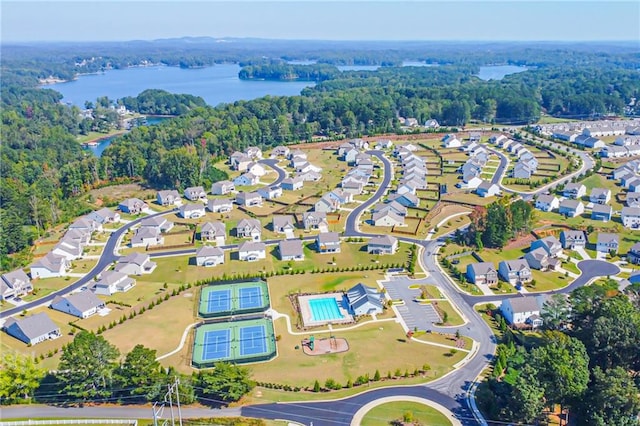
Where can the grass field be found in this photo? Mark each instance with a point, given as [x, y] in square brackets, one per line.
[384, 414]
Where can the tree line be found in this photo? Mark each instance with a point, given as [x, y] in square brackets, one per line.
[90, 369]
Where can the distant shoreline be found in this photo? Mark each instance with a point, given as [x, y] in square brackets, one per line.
[97, 140]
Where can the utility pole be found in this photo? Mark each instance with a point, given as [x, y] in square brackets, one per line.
[158, 407]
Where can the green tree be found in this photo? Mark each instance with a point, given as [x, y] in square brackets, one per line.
[19, 378]
[226, 382]
[555, 311]
[525, 401]
[87, 365]
[612, 399]
[141, 373]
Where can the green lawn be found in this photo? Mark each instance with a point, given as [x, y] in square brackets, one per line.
[384, 414]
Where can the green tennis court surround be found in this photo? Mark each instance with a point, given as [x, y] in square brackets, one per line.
[234, 298]
[238, 342]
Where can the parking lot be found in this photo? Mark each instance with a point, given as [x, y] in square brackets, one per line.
[414, 314]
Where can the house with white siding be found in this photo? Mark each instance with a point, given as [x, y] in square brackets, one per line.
[250, 251]
[50, 266]
[32, 329]
[82, 304]
[111, 282]
[14, 284]
[209, 256]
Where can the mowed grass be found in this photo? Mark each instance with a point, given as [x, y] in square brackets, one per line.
[384, 414]
[369, 349]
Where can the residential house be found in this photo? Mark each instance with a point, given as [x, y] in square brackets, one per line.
[601, 212]
[565, 136]
[222, 188]
[292, 184]
[539, 259]
[574, 191]
[32, 329]
[589, 141]
[315, 220]
[50, 266]
[630, 217]
[470, 182]
[633, 199]
[522, 311]
[297, 153]
[328, 242]
[68, 248]
[352, 186]
[111, 282]
[515, 271]
[571, 208]
[475, 136]
[522, 171]
[382, 244]
[487, 189]
[384, 144]
[350, 155]
[290, 250]
[192, 211]
[86, 225]
[405, 188]
[249, 228]
[195, 193]
[213, 231]
[254, 152]
[133, 206]
[220, 205]
[547, 202]
[394, 206]
[146, 237]
[407, 200]
[326, 204]
[600, 195]
[550, 244]
[633, 255]
[135, 264]
[249, 199]
[239, 161]
[451, 141]
[298, 161]
[246, 179]
[309, 176]
[364, 300]
[256, 169]
[573, 239]
[607, 243]
[613, 151]
[431, 123]
[529, 160]
[209, 256]
[283, 224]
[270, 192]
[169, 197]
[632, 184]
[280, 151]
[482, 273]
[307, 167]
[81, 305]
[387, 218]
[14, 284]
[104, 215]
[158, 222]
[252, 251]
[496, 139]
[359, 143]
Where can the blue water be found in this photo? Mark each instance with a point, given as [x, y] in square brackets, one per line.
[325, 309]
[104, 143]
[498, 72]
[216, 84]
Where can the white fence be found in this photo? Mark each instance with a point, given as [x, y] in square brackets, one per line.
[71, 422]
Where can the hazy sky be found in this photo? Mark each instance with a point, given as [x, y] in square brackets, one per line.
[117, 20]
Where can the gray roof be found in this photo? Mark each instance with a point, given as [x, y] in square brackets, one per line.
[314, 215]
[524, 304]
[606, 238]
[328, 238]
[573, 186]
[516, 264]
[546, 198]
[537, 254]
[572, 235]
[135, 258]
[191, 208]
[570, 204]
[111, 277]
[249, 223]
[217, 228]
[280, 221]
[206, 251]
[252, 246]
[390, 213]
[82, 301]
[33, 326]
[360, 294]
[220, 202]
[482, 268]
[291, 248]
[602, 208]
[630, 211]
[50, 262]
[600, 192]
[11, 278]
[154, 222]
[383, 240]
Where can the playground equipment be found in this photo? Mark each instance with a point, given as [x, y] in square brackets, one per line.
[311, 342]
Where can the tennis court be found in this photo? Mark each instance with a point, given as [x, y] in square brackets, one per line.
[219, 301]
[244, 297]
[237, 341]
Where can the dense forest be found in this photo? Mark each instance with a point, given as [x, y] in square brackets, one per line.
[44, 172]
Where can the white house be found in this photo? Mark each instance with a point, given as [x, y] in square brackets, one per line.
[315, 220]
[249, 199]
[573, 239]
[607, 243]
[32, 329]
[192, 211]
[213, 231]
[600, 195]
[81, 305]
[256, 169]
[50, 266]
[147, 236]
[169, 197]
[522, 310]
[135, 264]
[547, 202]
[111, 282]
[220, 205]
[631, 217]
[291, 250]
[270, 192]
[209, 256]
[195, 193]
[364, 300]
[451, 141]
[246, 179]
[487, 189]
[571, 208]
[222, 188]
[14, 284]
[382, 244]
[515, 271]
[104, 215]
[249, 228]
[283, 224]
[574, 190]
[387, 218]
[133, 206]
[252, 251]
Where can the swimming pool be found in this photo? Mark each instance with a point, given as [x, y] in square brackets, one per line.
[325, 309]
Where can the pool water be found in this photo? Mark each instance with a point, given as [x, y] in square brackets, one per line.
[325, 309]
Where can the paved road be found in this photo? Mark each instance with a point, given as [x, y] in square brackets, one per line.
[273, 163]
[106, 259]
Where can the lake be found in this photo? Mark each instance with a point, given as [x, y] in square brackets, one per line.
[498, 72]
[104, 143]
[216, 84]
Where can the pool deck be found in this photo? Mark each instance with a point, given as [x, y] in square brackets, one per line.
[307, 317]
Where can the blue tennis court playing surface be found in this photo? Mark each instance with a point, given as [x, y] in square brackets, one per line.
[219, 301]
[216, 344]
[252, 340]
[250, 297]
